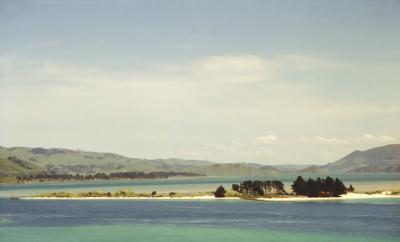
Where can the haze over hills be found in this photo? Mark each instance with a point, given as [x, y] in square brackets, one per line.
[22, 161]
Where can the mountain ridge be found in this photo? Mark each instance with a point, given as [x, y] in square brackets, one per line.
[377, 159]
[24, 161]
[61, 161]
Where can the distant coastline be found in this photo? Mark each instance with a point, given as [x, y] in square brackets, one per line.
[45, 177]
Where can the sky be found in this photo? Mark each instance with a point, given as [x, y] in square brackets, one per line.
[273, 82]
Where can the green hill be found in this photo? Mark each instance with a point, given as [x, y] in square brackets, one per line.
[22, 161]
[65, 161]
[379, 159]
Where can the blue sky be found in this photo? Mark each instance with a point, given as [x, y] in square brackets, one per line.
[258, 81]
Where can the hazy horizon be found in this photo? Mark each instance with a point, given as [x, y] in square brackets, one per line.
[271, 82]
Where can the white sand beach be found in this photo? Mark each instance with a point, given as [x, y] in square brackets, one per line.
[348, 196]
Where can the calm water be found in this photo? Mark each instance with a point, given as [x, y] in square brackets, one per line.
[147, 220]
[362, 182]
[121, 220]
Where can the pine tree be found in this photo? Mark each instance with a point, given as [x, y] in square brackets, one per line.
[309, 187]
[339, 188]
[329, 185]
[220, 192]
[299, 186]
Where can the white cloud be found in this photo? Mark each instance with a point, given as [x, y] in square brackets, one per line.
[235, 69]
[215, 69]
[382, 139]
[322, 140]
[269, 139]
[365, 139]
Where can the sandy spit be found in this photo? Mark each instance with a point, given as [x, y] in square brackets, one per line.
[348, 196]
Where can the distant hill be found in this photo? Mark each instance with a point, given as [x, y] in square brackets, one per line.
[379, 159]
[24, 161]
[13, 166]
[236, 169]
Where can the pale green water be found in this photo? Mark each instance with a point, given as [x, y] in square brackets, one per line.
[168, 233]
[220, 220]
[367, 220]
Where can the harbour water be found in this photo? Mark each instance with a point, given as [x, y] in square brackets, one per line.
[362, 183]
[193, 220]
[224, 220]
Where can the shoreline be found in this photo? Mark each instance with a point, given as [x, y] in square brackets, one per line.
[349, 196]
[132, 198]
[97, 180]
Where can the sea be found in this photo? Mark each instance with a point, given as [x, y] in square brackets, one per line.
[196, 220]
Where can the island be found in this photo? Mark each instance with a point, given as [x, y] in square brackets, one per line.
[310, 190]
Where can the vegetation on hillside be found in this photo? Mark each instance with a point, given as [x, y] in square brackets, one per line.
[65, 161]
[379, 159]
[43, 177]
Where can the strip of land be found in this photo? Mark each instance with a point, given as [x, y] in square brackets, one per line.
[348, 196]
[312, 190]
[288, 198]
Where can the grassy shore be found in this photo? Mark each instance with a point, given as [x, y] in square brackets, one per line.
[127, 194]
[132, 194]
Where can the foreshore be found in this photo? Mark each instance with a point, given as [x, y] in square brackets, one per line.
[348, 196]
[132, 198]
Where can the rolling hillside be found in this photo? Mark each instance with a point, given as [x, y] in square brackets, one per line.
[379, 159]
[22, 161]
[62, 161]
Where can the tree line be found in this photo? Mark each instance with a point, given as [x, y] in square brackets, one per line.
[42, 177]
[259, 188]
[319, 187]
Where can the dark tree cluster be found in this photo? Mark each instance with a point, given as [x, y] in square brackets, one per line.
[220, 192]
[259, 188]
[327, 187]
[102, 176]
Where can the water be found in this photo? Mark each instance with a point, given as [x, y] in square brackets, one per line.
[362, 182]
[366, 220]
[223, 220]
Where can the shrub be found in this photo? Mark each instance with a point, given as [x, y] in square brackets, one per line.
[220, 192]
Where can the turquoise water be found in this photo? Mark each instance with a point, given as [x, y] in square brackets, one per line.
[177, 220]
[221, 220]
[155, 233]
